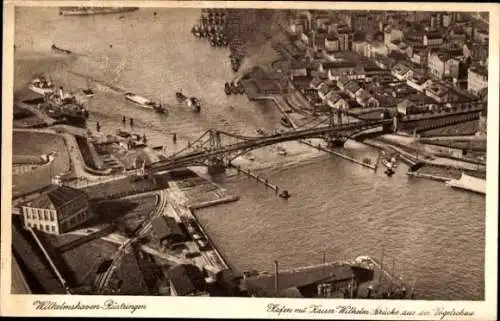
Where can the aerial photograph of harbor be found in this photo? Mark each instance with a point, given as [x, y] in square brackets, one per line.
[238, 152]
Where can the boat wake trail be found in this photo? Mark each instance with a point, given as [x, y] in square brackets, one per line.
[101, 85]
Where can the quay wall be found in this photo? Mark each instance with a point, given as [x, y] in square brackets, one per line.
[180, 205]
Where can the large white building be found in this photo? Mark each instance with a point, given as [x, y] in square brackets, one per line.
[477, 79]
[57, 210]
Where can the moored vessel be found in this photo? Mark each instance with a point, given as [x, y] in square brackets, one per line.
[390, 164]
[469, 183]
[145, 103]
[41, 86]
[86, 11]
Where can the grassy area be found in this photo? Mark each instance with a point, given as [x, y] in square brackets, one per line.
[131, 212]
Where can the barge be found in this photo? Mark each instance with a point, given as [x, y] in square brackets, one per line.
[145, 103]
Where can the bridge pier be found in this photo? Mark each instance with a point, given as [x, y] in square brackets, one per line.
[216, 166]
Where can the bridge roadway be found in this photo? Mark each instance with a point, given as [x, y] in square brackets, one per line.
[258, 142]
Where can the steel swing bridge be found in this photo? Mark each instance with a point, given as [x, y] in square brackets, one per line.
[216, 149]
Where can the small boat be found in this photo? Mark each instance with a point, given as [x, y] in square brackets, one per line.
[88, 92]
[286, 122]
[260, 131]
[123, 133]
[281, 151]
[144, 102]
[180, 96]
[391, 165]
[285, 194]
[227, 89]
[469, 183]
[41, 86]
[194, 103]
[60, 50]
[234, 87]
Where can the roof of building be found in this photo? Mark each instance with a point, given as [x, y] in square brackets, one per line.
[401, 69]
[165, 227]
[331, 37]
[339, 64]
[437, 90]
[352, 86]
[300, 278]
[324, 88]
[343, 80]
[417, 78]
[406, 103]
[333, 97]
[186, 279]
[316, 82]
[479, 70]
[56, 197]
[302, 82]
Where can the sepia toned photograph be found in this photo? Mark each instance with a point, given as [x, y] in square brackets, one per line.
[216, 151]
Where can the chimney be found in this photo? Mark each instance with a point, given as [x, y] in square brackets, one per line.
[276, 281]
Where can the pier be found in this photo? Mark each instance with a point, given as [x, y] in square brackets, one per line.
[329, 151]
[429, 176]
[259, 179]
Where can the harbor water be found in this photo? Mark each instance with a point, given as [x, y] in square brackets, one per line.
[434, 234]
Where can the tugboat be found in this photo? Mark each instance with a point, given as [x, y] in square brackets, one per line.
[144, 102]
[41, 86]
[285, 194]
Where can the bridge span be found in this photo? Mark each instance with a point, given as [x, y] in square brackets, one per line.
[209, 147]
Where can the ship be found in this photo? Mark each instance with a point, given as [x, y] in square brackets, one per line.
[60, 50]
[65, 107]
[41, 86]
[145, 103]
[469, 183]
[87, 11]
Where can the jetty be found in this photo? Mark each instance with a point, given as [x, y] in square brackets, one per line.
[258, 178]
[332, 152]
